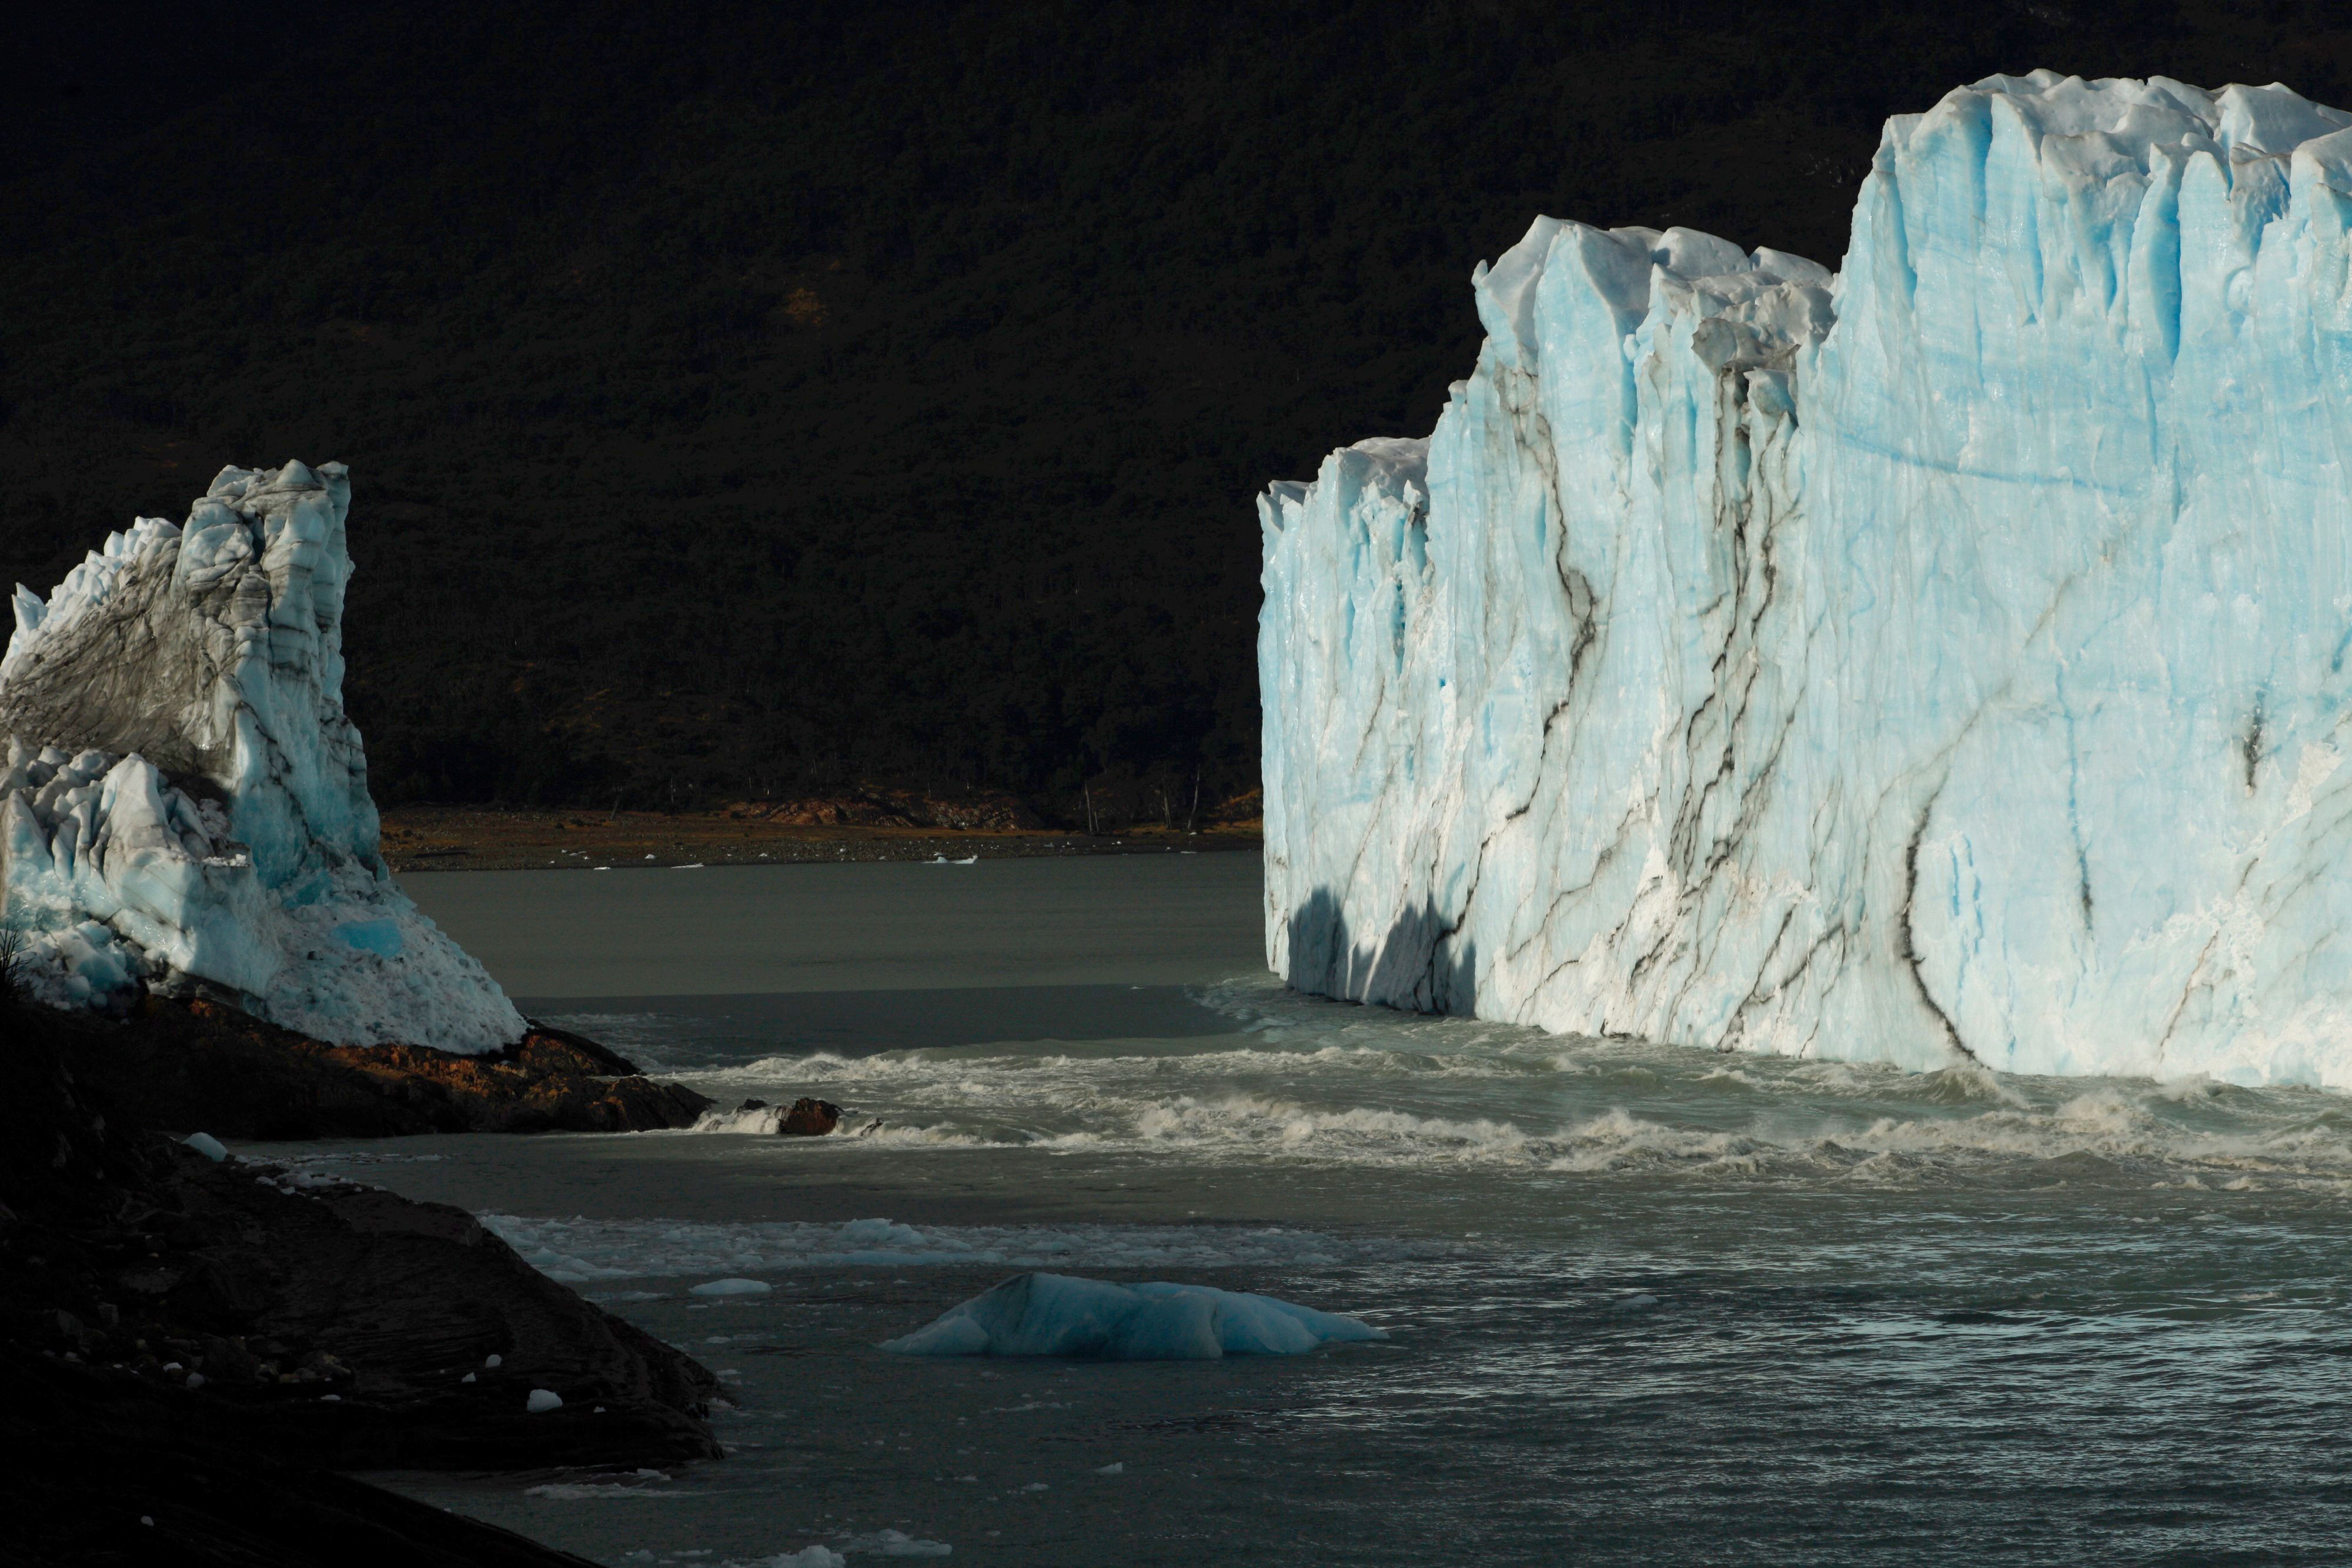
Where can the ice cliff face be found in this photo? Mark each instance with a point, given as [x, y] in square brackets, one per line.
[1944, 659]
[185, 805]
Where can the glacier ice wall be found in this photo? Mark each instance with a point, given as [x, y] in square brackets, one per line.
[184, 803]
[1943, 658]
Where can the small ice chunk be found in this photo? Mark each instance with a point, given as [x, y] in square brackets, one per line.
[1116, 1469]
[492, 1359]
[467, 1378]
[872, 1233]
[1640, 1301]
[542, 1400]
[205, 1143]
[196, 1380]
[732, 1288]
[1056, 1314]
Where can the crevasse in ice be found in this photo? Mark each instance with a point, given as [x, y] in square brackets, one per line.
[1943, 658]
[184, 803]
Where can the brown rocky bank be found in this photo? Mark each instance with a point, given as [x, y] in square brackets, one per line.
[202, 1065]
[197, 1344]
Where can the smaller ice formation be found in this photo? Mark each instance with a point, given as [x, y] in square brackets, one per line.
[1054, 1314]
[184, 805]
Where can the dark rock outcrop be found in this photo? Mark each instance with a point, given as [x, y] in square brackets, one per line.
[204, 1064]
[106, 1471]
[207, 1336]
[808, 1118]
[803, 1118]
[278, 1293]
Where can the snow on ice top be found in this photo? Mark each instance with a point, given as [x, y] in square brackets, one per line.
[185, 803]
[1944, 658]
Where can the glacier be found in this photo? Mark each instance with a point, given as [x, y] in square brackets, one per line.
[184, 807]
[1941, 661]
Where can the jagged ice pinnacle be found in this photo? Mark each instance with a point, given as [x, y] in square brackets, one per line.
[1941, 660]
[185, 805]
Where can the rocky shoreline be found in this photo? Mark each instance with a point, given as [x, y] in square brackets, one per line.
[193, 1344]
[198, 1066]
[421, 838]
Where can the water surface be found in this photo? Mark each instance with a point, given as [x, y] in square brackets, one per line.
[1646, 1304]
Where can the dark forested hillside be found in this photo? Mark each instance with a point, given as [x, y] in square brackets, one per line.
[748, 398]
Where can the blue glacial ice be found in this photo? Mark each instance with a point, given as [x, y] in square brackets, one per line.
[184, 805]
[1057, 1314]
[1943, 658]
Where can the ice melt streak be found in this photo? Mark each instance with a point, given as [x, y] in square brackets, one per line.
[1944, 657]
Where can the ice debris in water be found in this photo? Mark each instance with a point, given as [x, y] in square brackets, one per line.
[542, 1400]
[1056, 1314]
[1947, 656]
[895, 1543]
[184, 802]
[207, 1146]
[731, 1288]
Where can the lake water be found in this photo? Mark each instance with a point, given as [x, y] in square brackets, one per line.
[1645, 1304]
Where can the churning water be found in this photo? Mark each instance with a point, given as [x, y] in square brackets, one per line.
[1645, 1303]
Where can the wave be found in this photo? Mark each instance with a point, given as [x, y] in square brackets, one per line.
[1302, 1080]
[583, 1251]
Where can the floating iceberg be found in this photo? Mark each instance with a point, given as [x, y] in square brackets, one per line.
[184, 804]
[1054, 1314]
[1947, 657]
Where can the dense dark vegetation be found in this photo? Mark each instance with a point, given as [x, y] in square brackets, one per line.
[743, 399]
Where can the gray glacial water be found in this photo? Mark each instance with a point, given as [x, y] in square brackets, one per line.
[1646, 1304]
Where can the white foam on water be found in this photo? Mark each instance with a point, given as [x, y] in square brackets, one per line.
[760, 1119]
[642, 1484]
[895, 1544]
[1304, 1080]
[818, 1556]
[577, 1250]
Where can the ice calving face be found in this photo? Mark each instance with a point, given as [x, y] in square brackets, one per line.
[1942, 661]
[1058, 1316]
[184, 802]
